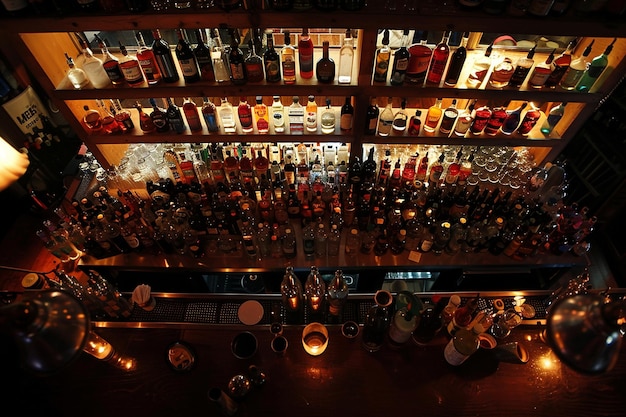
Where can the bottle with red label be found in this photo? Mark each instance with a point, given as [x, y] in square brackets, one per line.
[441, 53]
[481, 116]
[191, 114]
[530, 120]
[497, 118]
[244, 111]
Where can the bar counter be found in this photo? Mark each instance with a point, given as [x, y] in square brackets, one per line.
[344, 380]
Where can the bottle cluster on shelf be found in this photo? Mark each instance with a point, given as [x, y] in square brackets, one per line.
[296, 203]
[465, 65]
[267, 115]
[476, 118]
[210, 59]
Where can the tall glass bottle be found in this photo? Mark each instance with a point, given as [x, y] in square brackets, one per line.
[346, 115]
[457, 61]
[93, 67]
[560, 64]
[337, 294]
[531, 117]
[315, 291]
[236, 60]
[382, 58]
[522, 68]
[595, 68]
[219, 59]
[209, 113]
[227, 116]
[305, 54]
[254, 64]
[325, 67]
[186, 58]
[291, 291]
[175, 116]
[400, 119]
[159, 117]
[288, 60]
[346, 58]
[400, 61]
[147, 60]
[190, 110]
[513, 119]
[371, 117]
[202, 52]
[464, 120]
[271, 61]
[541, 72]
[576, 69]
[385, 121]
[554, 116]
[296, 117]
[76, 75]
[433, 116]
[278, 115]
[164, 58]
[311, 115]
[110, 63]
[438, 62]
[377, 321]
[448, 118]
[480, 68]
[130, 68]
[261, 116]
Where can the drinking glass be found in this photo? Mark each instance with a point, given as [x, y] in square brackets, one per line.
[315, 338]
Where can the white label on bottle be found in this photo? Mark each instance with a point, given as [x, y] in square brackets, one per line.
[453, 357]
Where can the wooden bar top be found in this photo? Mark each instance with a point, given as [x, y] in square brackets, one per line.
[344, 380]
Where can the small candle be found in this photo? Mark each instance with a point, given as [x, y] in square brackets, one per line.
[315, 339]
[293, 303]
[315, 302]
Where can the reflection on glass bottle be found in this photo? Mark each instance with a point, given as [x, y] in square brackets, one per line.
[377, 321]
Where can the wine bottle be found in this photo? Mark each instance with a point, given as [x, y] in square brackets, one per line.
[347, 113]
[254, 64]
[438, 62]
[164, 58]
[400, 61]
[457, 61]
[159, 117]
[203, 57]
[271, 61]
[186, 58]
[236, 60]
[305, 54]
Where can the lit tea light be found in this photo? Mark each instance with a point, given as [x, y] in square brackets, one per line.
[294, 303]
[315, 339]
[315, 302]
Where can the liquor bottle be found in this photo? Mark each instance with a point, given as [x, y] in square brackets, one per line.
[420, 55]
[321, 237]
[346, 58]
[278, 115]
[209, 114]
[288, 60]
[164, 58]
[576, 69]
[430, 322]
[480, 68]
[481, 117]
[315, 291]
[123, 116]
[554, 116]
[305, 54]
[438, 62]
[382, 58]
[448, 119]
[227, 116]
[436, 170]
[93, 67]
[400, 61]
[254, 64]
[337, 293]
[130, 68]
[271, 61]
[325, 67]
[110, 63]
[174, 116]
[295, 115]
[464, 120]
[75, 75]
[457, 61]
[291, 291]
[464, 344]
[202, 53]
[385, 121]
[433, 116]
[159, 117]
[522, 68]
[147, 60]
[219, 58]
[595, 68]
[497, 117]
[400, 119]
[415, 123]
[186, 58]
[236, 60]
[346, 115]
[541, 72]
[371, 117]
[513, 119]
[311, 115]
[502, 73]
[145, 122]
[244, 113]
[261, 117]
[531, 117]
[192, 115]
[560, 64]
[377, 321]
[328, 119]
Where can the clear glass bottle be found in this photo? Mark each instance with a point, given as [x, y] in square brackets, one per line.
[462, 345]
[75, 75]
[254, 64]
[93, 67]
[110, 63]
[296, 117]
[315, 291]
[385, 121]
[227, 116]
[400, 119]
[219, 59]
[541, 72]
[130, 68]
[292, 294]
[480, 68]
[328, 119]
[311, 115]
[346, 58]
[278, 115]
